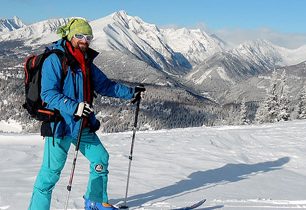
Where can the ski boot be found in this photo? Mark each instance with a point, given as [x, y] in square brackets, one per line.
[90, 205]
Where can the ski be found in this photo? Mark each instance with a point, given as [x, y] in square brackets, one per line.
[193, 206]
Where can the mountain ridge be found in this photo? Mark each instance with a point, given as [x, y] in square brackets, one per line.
[7, 25]
[177, 50]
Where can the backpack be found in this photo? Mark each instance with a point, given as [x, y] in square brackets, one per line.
[33, 102]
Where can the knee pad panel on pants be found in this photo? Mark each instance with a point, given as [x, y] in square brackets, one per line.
[100, 168]
[100, 165]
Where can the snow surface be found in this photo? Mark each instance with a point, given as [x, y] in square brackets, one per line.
[239, 167]
[10, 125]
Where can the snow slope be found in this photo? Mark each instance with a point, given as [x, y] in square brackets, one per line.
[242, 167]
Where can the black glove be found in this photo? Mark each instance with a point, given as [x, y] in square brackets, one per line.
[94, 127]
[137, 93]
[83, 110]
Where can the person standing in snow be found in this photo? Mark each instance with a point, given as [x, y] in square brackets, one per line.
[72, 96]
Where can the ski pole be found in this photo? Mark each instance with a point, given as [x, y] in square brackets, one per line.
[73, 164]
[124, 206]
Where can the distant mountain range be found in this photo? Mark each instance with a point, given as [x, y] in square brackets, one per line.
[174, 51]
[191, 60]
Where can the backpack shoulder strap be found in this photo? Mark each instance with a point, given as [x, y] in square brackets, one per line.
[63, 60]
[62, 57]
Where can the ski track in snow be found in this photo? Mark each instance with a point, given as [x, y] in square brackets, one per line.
[233, 167]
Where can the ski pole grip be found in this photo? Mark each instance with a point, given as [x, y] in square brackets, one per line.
[137, 98]
[137, 95]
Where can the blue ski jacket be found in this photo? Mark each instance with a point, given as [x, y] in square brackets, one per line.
[65, 95]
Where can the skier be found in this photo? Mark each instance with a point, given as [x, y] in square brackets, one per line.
[71, 95]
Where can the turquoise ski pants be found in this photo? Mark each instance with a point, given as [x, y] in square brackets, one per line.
[54, 160]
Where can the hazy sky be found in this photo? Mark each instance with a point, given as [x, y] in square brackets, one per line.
[280, 21]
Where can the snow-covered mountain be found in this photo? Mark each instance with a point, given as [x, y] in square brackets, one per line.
[263, 52]
[136, 52]
[7, 25]
[40, 33]
[203, 62]
[226, 68]
[292, 56]
[119, 31]
[179, 47]
[195, 44]
[259, 52]
[171, 50]
[229, 67]
[255, 88]
[222, 70]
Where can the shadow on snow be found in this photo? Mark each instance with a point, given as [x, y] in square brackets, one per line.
[206, 179]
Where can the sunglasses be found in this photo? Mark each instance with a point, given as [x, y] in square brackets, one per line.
[87, 38]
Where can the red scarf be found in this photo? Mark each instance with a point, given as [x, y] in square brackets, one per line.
[79, 56]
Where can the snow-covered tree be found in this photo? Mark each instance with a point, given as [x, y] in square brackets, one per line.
[301, 107]
[259, 116]
[243, 113]
[283, 114]
[268, 110]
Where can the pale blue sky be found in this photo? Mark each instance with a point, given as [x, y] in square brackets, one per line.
[218, 16]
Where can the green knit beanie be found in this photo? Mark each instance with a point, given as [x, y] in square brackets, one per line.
[74, 26]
